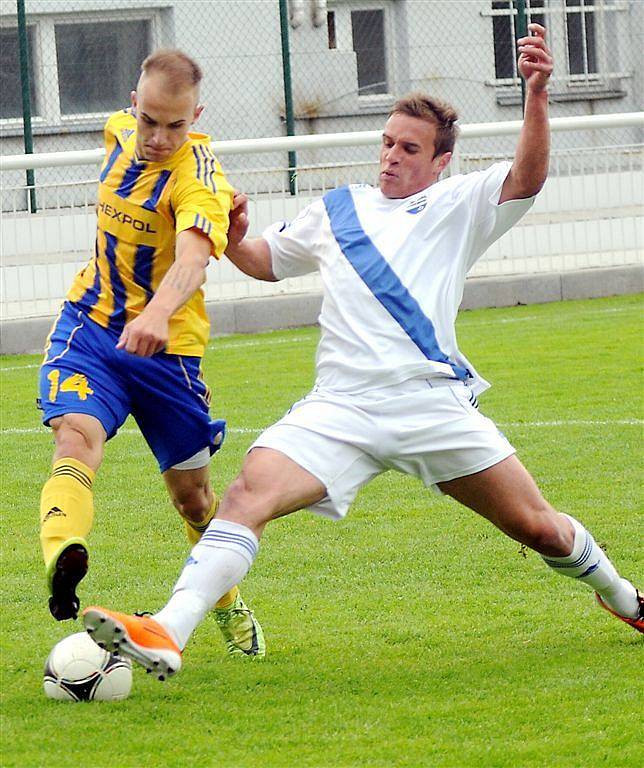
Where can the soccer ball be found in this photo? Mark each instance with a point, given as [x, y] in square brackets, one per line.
[78, 670]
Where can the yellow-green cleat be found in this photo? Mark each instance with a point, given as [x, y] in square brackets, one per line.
[66, 569]
[241, 630]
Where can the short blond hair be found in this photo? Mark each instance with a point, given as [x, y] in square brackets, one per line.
[434, 111]
[179, 70]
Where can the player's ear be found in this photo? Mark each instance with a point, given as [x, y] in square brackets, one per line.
[198, 110]
[133, 100]
[443, 161]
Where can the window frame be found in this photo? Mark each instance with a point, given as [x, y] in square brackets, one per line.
[32, 66]
[344, 42]
[556, 14]
[47, 94]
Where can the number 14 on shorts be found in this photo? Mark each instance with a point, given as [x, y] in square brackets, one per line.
[77, 382]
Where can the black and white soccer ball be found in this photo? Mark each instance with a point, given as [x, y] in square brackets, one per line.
[78, 670]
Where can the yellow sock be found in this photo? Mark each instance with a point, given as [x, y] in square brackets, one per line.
[195, 531]
[66, 507]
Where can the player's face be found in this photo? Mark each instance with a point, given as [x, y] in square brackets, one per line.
[163, 118]
[407, 162]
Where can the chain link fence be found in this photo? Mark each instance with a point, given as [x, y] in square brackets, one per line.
[349, 59]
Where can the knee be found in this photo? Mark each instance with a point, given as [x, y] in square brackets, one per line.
[193, 503]
[548, 533]
[238, 497]
[78, 438]
[244, 504]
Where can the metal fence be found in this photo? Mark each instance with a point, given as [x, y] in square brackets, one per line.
[590, 214]
[347, 59]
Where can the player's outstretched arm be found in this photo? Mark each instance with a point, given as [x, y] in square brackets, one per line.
[530, 167]
[252, 256]
[148, 333]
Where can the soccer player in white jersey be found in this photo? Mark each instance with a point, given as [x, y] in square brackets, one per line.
[392, 389]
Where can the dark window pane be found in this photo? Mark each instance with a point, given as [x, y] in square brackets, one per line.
[533, 12]
[578, 37]
[98, 64]
[575, 43]
[504, 52]
[591, 49]
[10, 84]
[330, 26]
[368, 29]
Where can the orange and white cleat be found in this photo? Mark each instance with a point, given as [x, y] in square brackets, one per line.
[637, 623]
[139, 638]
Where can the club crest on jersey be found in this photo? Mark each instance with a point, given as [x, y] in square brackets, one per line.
[417, 205]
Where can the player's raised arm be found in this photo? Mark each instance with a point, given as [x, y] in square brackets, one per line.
[251, 256]
[530, 167]
[148, 333]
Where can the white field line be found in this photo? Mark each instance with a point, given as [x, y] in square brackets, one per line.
[505, 425]
[19, 367]
[222, 344]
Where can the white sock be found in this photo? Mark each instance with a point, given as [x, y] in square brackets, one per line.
[588, 563]
[219, 561]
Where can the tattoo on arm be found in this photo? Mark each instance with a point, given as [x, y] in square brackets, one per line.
[178, 277]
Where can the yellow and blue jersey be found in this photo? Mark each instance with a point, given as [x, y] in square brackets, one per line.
[142, 206]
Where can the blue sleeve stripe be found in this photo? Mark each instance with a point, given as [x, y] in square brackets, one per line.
[208, 168]
[202, 223]
[130, 177]
[204, 160]
[151, 203]
[198, 159]
[112, 159]
[212, 162]
[380, 278]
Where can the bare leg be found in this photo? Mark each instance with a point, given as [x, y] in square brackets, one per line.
[270, 485]
[506, 495]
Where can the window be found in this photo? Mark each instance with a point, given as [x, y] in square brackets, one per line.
[580, 37]
[82, 67]
[98, 64]
[368, 32]
[10, 87]
[330, 27]
[505, 33]
[578, 34]
[366, 29]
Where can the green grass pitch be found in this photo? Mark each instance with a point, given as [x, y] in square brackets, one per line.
[411, 634]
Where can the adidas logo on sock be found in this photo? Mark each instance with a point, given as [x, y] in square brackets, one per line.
[54, 512]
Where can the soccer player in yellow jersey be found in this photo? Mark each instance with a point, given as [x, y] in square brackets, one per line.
[133, 329]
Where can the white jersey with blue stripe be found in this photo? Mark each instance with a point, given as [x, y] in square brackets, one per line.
[393, 272]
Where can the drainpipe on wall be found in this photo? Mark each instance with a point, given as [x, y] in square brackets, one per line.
[319, 12]
[297, 13]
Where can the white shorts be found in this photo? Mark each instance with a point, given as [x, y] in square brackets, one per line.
[428, 429]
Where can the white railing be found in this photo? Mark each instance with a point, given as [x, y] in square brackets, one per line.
[324, 141]
[590, 214]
